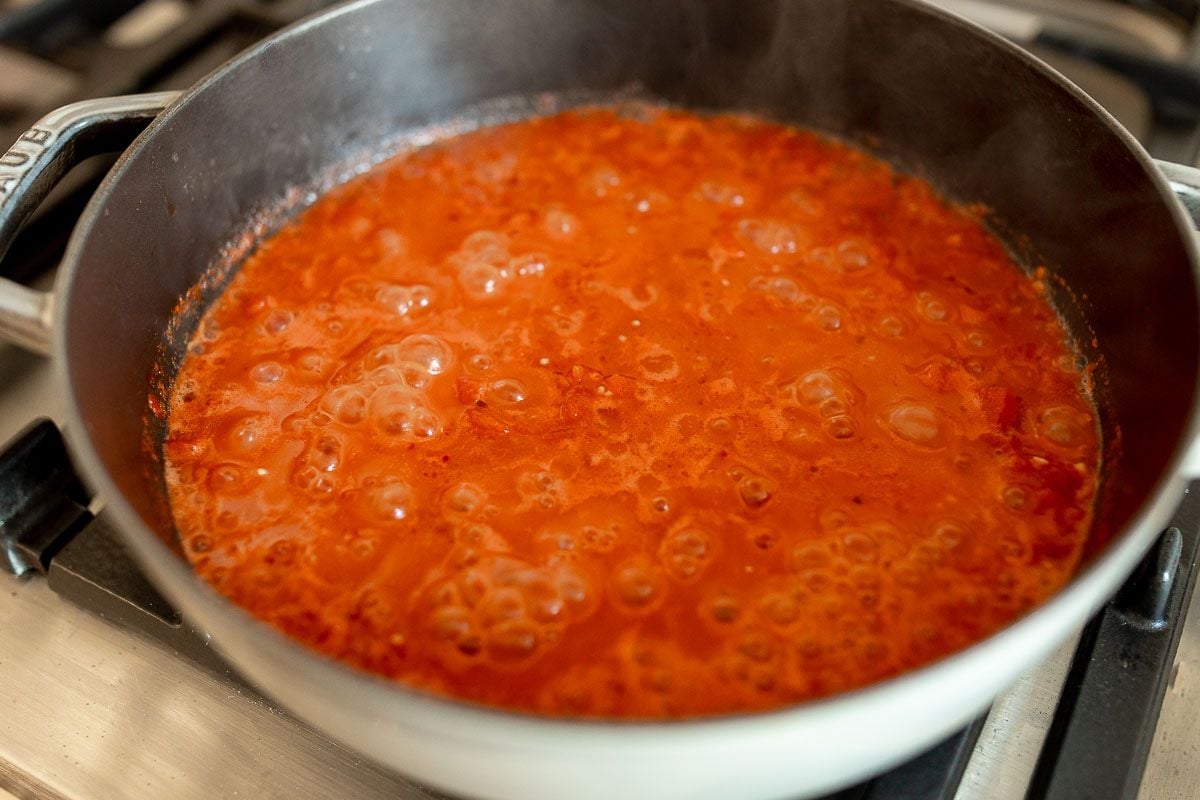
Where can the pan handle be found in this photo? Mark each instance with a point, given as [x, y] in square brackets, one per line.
[30, 169]
[1185, 183]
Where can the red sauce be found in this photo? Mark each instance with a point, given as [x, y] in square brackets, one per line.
[633, 414]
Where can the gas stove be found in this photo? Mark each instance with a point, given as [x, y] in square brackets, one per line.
[109, 693]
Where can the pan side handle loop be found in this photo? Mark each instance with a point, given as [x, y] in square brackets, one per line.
[30, 169]
[1185, 183]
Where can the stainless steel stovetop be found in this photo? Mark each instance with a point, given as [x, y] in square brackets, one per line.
[89, 709]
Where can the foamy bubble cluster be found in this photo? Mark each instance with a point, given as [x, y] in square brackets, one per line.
[1064, 428]
[685, 552]
[314, 469]
[486, 266]
[309, 363]
[559, 224]
[815, 387]
[227, 479]
[428, 353]
[603, 181]
[977, 340]
[753, 490]
[346, 404]
[391, 242]
[822, 313]
[506, 610]
[404, 301]
[848, 258]
[860, 546]
[807, 202]
[658, 364]
[464, 498]
[832, 394]
[390, 391]
[1015, 497]
[527, 265]
[784, 289]
[828, 317]
[409, 373]
[638, 586]
[722, 194]
[496, 170]
[277, 320]
[891, 326]
[399, 411]
[391, 500]
[916, 423]
[266, 372]
[507, 392]
[242, 434]
[480, 280]
[934, 308]
[779, 608]
[542, 487]
[771, 236]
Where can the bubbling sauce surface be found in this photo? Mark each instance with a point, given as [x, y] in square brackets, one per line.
[633, 413]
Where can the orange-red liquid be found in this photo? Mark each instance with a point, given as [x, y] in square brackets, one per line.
[633, 415]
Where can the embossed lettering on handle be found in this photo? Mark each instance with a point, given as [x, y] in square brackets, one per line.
[36, 161]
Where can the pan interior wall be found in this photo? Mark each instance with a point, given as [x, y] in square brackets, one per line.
[972, 117]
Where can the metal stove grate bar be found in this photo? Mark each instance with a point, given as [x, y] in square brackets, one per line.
[1099, 741]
